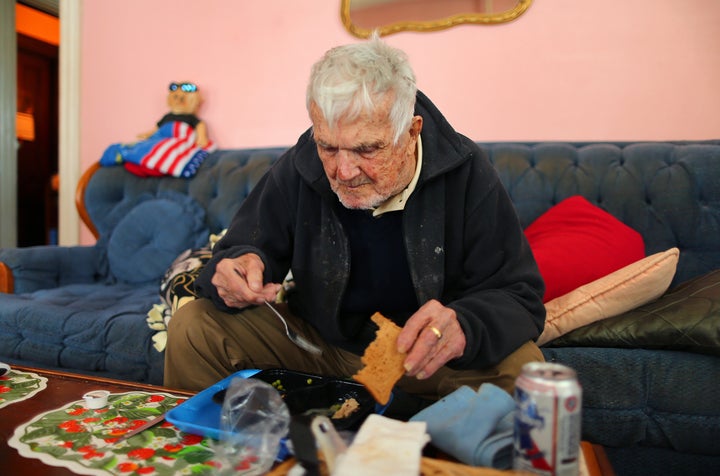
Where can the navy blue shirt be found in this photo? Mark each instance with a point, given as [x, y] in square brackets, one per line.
[379, 273]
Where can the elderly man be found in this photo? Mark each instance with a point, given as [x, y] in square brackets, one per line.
[380, 206]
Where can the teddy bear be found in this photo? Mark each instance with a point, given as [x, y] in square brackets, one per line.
[183, 100]
[176, 145]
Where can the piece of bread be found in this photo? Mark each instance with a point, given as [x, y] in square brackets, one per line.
[383, 363]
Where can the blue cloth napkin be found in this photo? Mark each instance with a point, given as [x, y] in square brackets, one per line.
[474, 427]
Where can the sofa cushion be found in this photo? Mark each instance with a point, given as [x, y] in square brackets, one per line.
[576, 242]
[86, 327]
[618, 292]
[642, 397]
[152, 234]
[685, 318]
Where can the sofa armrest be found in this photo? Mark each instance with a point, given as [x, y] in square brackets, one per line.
[29, 269]
[80, 198]
[7, 283]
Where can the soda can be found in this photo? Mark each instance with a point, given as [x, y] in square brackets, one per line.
[548, 401]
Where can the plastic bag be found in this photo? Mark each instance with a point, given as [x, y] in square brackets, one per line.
[253, 420]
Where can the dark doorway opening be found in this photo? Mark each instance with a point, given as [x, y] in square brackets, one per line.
[37, 168]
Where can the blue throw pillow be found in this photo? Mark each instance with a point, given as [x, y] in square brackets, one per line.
[147, 240]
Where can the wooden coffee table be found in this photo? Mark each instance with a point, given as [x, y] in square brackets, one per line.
[62, 387]
[65, 387]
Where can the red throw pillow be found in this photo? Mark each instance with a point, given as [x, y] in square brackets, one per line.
[575, 243]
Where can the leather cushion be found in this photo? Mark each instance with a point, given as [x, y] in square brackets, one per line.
[684, 318]
[625, 289]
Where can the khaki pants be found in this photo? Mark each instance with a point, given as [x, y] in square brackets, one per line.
[206, 345]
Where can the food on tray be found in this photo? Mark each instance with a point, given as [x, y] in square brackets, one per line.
[306, 394]
[348, 407]
[383, 363]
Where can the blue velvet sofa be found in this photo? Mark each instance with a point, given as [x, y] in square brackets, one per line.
[652, 404]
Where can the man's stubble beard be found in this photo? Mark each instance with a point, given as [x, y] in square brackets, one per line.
[369, 204]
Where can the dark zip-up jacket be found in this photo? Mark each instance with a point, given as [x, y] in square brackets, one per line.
[464, 242]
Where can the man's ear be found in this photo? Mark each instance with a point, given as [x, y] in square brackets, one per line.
[416, 126]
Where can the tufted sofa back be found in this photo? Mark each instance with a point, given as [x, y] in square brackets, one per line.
[668, 192]
[222, 182]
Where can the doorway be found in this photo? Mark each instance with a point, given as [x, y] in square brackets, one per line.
[37, 157]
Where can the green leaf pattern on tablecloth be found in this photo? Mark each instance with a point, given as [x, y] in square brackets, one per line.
[16, 386]
[85, 440]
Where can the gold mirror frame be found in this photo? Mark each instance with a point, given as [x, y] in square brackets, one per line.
[433, 25]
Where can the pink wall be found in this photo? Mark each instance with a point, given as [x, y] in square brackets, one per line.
[565, 70]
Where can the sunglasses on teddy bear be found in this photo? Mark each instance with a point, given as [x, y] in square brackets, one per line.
[186, 87]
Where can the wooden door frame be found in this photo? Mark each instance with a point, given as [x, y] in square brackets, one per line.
[8, 141]
[69, 157]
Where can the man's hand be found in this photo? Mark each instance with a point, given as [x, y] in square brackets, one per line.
[239, 281]
[431, 337]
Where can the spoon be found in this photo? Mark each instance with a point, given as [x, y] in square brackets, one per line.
[296, 338]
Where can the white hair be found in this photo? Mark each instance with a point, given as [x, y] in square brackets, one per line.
[348, 80]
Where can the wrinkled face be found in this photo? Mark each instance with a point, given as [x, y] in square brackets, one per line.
[362, 164]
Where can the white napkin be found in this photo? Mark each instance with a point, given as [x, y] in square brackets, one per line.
[384, 446]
